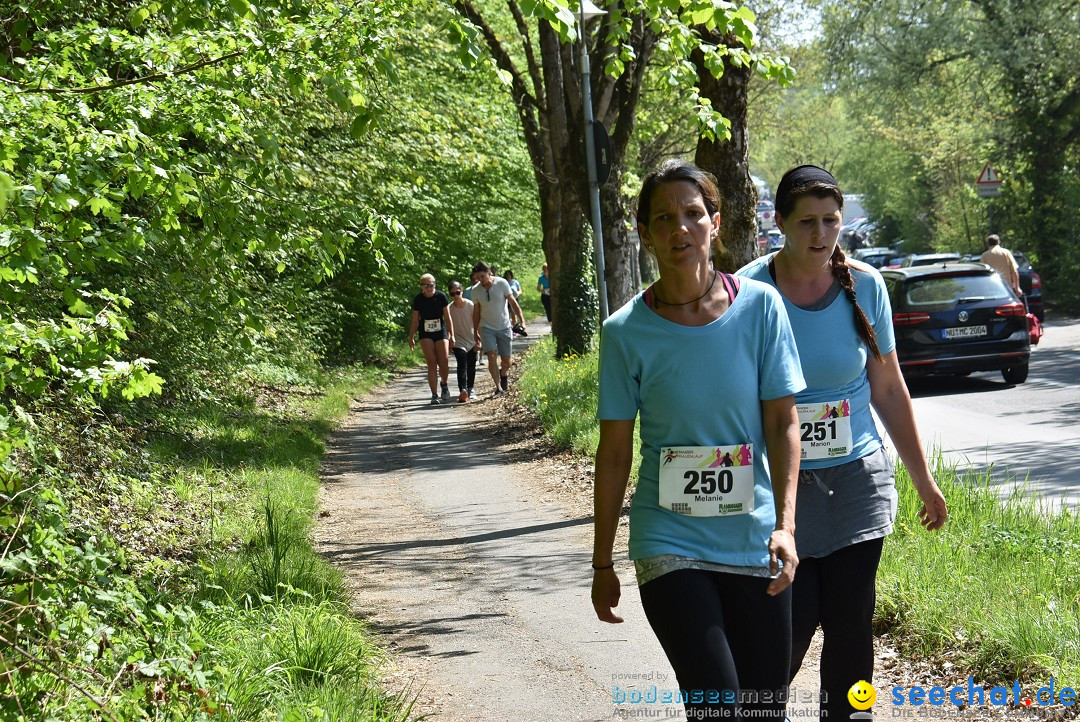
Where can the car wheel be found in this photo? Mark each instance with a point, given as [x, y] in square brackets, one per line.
[1015, 374]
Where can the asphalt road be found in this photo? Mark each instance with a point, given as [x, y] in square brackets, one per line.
[1027, 435]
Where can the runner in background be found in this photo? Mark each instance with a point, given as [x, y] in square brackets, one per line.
[465, 348]
[430, 313]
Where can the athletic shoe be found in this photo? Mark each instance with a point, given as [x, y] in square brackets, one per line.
[498, 393]
[445, 393]
[472, 394]
[504, 382]
[435, 400]
[463, 397]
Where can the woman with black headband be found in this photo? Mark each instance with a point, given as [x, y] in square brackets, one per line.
[846, 502]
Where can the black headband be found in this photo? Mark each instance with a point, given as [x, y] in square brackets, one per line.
[803, 175]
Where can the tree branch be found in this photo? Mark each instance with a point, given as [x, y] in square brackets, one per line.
[133, 81]
[530, 56]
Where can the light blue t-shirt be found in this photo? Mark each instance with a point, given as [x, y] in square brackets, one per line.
[699, 386]
[833, 355]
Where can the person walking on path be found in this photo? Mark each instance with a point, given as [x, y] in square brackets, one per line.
[492, 318]
[1002, 261]
[839, 310]
[710, 364]
[515, 285]
[543, 285]
[431, 314]
[465, 348]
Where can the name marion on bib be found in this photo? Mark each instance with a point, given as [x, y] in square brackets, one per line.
[825, 429]
[707, 480]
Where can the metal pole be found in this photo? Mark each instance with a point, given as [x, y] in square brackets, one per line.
[590, 162]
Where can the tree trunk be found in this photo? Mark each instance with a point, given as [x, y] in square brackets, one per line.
[567, 246]
[729, 161]
[619, 252]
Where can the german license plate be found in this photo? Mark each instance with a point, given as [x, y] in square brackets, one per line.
[965, 332]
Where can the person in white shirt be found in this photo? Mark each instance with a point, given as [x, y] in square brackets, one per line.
[494, 311]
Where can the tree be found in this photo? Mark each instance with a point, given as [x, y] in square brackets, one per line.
[548, 97]
[1013, 58]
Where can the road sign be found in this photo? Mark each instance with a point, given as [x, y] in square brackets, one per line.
[988, 184]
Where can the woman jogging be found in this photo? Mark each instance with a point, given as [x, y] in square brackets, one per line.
[711, 366]
[841, 316]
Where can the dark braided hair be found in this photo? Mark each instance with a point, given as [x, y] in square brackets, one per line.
[818, 182]
[841, 271]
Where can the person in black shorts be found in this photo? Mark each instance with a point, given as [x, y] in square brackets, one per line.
[431, 314]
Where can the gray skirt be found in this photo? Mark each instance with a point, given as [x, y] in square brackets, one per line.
[846, 504]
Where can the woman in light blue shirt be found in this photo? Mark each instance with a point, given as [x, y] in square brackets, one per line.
[710, 365]
[840, 313]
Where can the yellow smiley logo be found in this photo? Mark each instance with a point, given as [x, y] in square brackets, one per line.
[862, 695]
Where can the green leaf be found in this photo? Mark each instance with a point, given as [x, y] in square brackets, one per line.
[6, 188]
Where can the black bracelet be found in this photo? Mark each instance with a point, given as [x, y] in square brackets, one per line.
[609, 566]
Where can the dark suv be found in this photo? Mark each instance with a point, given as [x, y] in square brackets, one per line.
[957, 318]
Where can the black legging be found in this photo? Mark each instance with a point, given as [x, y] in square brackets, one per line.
[545, 298]
[466, 367]
[837, 592]
[723, 633]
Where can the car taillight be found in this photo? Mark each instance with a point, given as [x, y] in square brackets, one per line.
[909, 319]
[1036, 281]
[1011, 309]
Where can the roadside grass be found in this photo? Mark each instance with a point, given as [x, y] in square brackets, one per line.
[994, 593]
[996, 588]
[272, 613]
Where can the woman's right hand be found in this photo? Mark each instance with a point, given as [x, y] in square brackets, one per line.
[606, 591]
[412, 342]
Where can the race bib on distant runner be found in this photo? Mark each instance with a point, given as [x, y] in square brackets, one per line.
[825, 429]
[432, 325]
[707, 480]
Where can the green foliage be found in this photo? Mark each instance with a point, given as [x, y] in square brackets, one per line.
[989, 586]
[964, 84]
[95, 626]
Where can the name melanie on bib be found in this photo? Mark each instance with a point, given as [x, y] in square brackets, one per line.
[707, 480]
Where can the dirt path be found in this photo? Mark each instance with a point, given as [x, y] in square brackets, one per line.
[465, 540]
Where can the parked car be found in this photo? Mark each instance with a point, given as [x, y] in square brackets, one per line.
[1030, 281]
[928, 259]
[957, 318]
[774, 240]
[876, 256]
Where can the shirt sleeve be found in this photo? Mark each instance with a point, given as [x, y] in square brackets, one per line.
[416, 302]
[619, 395]
[881, 321]
[779, 368]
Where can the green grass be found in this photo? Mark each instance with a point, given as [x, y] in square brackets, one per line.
[997, 583]
[996, 588]
[272, 612]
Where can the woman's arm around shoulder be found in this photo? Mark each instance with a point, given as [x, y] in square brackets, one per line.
[613, 458]
[889, 396]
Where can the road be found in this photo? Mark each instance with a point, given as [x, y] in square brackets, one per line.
[1024, 434]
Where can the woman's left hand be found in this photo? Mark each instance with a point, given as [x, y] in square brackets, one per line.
[782, 549]
[934, 510]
